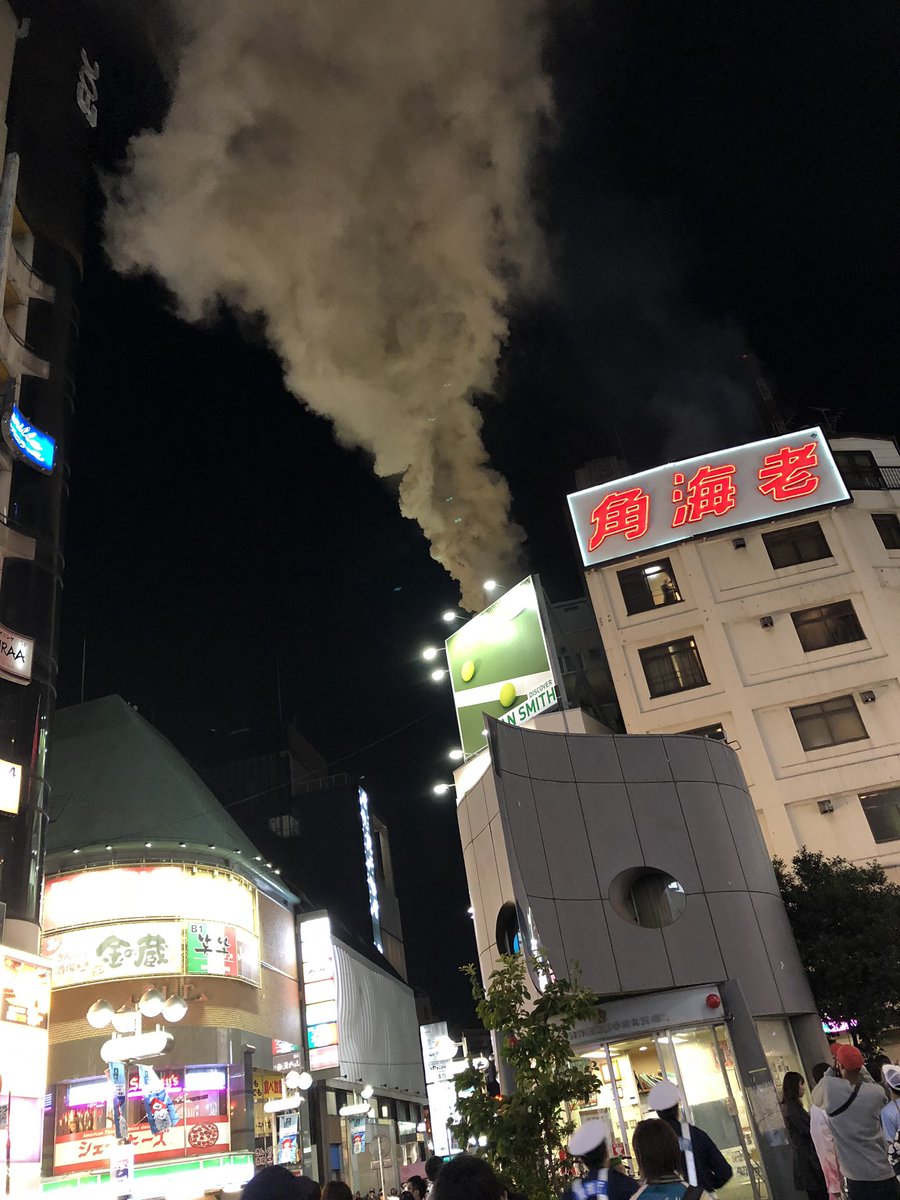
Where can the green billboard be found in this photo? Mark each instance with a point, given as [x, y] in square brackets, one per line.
[500, 664]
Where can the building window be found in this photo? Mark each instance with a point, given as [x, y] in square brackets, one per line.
[859, 469]
[828, 723]
[828, 625]
[647, 897]
[798, 544]
[882, 811]
[673, 667]
[285, 826]
[888, 529]
[648, 587]
[716, 732]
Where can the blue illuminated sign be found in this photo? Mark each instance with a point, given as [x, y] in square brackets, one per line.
[27, 442]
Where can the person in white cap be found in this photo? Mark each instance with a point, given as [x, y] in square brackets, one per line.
[590, 1142]
[704, 1163]
[890, 1114]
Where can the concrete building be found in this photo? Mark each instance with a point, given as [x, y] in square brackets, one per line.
[783, 639]
[151, 884]
[640, 859]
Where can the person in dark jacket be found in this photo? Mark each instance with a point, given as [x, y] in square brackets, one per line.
[590, 1142]
[808, 1176]
[704, 1162]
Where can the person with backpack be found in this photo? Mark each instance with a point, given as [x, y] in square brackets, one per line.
[659, 1158]
[703, 1162]
[590, 1142]
[890, 1114]
[853, 1105]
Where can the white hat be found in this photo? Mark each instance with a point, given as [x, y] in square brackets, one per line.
[663, 1095]
[587, 1137]
[891, 1076]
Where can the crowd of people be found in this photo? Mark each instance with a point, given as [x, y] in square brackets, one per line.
[846, 1144]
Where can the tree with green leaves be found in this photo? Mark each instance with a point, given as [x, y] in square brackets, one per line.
[846, 919]
[524, 1135]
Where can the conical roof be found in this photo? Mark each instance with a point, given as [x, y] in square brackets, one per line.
[115, 778]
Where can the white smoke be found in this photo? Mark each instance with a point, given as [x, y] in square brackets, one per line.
[357, 172]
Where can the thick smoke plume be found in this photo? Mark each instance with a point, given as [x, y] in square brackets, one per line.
[356, 171]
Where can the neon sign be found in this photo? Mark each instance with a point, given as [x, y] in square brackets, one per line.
[740, 486]
[371, 878]
[28, 442]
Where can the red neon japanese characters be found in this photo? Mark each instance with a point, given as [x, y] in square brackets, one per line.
[710, 492]
[786, 474]
[625, 512]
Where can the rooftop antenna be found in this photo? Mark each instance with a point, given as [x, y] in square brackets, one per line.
[829, 419]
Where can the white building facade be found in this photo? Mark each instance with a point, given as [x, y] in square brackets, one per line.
[782, 638]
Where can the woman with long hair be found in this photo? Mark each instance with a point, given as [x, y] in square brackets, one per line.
[808, 1176]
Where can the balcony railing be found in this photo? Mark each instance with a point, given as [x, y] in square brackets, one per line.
[871, 479]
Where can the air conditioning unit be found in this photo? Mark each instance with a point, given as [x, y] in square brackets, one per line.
[767, 622]
[739, 543]
[867, 697]
[826, 806]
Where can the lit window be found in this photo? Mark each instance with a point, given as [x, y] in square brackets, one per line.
[673, 667]
[827, 625]
[888, 528]
[882, 810]
[716, 732]
[828, 723]
[648, 587]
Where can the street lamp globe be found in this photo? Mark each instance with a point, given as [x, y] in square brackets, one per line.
[151, 1003]
[100, 1014]
[174, 1008]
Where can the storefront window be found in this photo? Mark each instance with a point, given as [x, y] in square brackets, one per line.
[700, 1062]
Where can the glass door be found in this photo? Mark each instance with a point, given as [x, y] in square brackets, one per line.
[703, 1067]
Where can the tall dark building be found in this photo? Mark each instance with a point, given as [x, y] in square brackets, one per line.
[334, 846]
[53, 60]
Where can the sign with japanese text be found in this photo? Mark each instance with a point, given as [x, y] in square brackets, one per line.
[133, 949]
[760, 481]
[500, 664]
[212, 949]
[27, 442]
[90, 1151]
[122, 951]
[319, 982]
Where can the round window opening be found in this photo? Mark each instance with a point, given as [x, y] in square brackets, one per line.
[647, 897]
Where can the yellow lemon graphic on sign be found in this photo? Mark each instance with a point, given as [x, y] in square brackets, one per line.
[507, 694]
[467, 670]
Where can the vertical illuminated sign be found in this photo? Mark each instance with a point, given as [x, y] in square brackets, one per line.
[319, 993]
[371, 878]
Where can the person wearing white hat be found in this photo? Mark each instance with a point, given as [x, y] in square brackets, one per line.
[704, 1163]
[590, 1142]
[890, 1114]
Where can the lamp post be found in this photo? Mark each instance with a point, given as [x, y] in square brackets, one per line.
[130, 1043]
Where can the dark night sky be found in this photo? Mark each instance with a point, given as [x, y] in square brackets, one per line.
[723, 179]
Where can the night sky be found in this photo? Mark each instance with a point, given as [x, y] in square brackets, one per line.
[722, 181]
